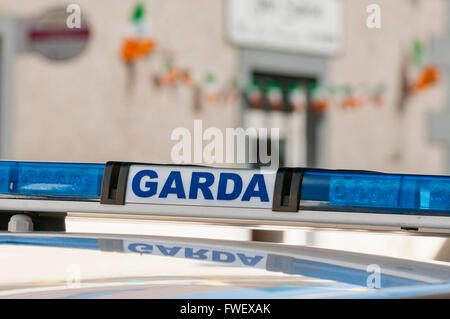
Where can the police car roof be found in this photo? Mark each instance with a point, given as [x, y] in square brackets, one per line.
[310, 272]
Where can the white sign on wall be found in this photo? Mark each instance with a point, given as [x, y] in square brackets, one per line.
[309, 26]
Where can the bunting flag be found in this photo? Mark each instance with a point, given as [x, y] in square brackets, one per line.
[377, 98]
[320, 98]
[255, 95]
[275, 96]
[138, 43]
[427, 77]
[297, 98]
[293, 97]
[232, 92]
[423, 75]
[172, 76]
[185, 77]
[211, 91]
[351, 98]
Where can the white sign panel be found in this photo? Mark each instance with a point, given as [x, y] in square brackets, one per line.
[309, 26]
[185, 185]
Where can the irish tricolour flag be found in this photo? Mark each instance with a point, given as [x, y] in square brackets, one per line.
[139, 42]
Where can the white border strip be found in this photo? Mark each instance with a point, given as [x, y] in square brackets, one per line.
[262, 216]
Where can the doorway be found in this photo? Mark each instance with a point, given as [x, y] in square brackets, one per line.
[310, 130]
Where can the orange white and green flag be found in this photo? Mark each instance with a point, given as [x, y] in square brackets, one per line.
[139, 41]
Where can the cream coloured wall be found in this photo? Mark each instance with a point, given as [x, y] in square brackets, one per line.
[383, 138]
[82, 111]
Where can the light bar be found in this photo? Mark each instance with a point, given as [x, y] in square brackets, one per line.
[376, 192]
[287, 195]
[29, 179]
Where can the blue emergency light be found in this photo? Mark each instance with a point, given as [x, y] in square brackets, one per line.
[51, 179]
[376, 192]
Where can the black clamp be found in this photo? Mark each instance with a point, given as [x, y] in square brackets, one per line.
[114, 184]
[287, 190]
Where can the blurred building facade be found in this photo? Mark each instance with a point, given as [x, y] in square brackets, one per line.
[94, 108]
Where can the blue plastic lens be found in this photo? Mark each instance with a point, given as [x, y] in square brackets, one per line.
[51, 179]
[388, 192]
[364, 191]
